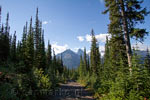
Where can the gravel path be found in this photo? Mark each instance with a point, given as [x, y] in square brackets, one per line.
[72, 91]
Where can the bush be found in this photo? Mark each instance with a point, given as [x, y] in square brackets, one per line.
[43, 81]
[6, 92]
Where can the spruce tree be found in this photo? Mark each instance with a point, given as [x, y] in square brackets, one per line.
[54, 65]
[107, 61]
[107, 56]
[24, 42]
[37, 41]
[5, 41]
[94, 55]
[147, 61]
[49, 55]
[81, 68]
[88, 63]
[13, 48]
[85, 60]
[29, 61]
[43, 53]
[40, 55]
[37, 33]
[126, 13]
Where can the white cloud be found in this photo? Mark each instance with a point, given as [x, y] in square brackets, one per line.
[88, 38]
[99, 37]
[88, 52]
[75, 49]
[101, 48]
[45, 22]
[80, 38]
[141, 46]
[59, 48]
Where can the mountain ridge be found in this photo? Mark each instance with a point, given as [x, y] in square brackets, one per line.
[71, 59]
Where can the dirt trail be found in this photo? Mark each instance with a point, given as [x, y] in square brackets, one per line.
[72, 91]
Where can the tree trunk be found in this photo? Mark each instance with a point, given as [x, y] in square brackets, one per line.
[126, 33]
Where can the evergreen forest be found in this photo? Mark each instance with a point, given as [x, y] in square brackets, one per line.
[30, 69]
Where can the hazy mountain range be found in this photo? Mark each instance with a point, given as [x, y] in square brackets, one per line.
[71, 59]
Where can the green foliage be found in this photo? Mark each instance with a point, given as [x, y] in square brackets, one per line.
[95, 61]
[42, 81]
[82, 68]
[91, 80]
[27, 67]
[147, 61]
[6, 91]
[133, 95]
[126, 86]
[4, 41]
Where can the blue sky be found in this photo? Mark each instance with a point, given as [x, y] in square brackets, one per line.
[65, 21]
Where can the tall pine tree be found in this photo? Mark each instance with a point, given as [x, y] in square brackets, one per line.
[147, 61]
[29, 61]
[95, 61]
[127, 13]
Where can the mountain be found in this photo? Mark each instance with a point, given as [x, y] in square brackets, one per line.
[141, 53]
[80, 52]
[70, 58]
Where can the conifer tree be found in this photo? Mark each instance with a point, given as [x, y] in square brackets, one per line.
[147, 61]
[5, 41]
[94, 55]
[126, 13]
[40, 54]
[60, 61]
[37, 32]
[81, 68]
[107, 50]
[43, 53]
[6, 38]
[107, 61]
[28, 59]
[49, 55]
[29, 62]
[37, 41]
[13, 48]
[24, 42]
[85, 60]
[88, 63]
[54, 65]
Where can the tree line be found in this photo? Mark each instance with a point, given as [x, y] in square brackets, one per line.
[121, 74]
[27, 68]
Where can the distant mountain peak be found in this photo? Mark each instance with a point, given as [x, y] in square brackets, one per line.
[69, 50]
[70, 58]
[80, 52]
